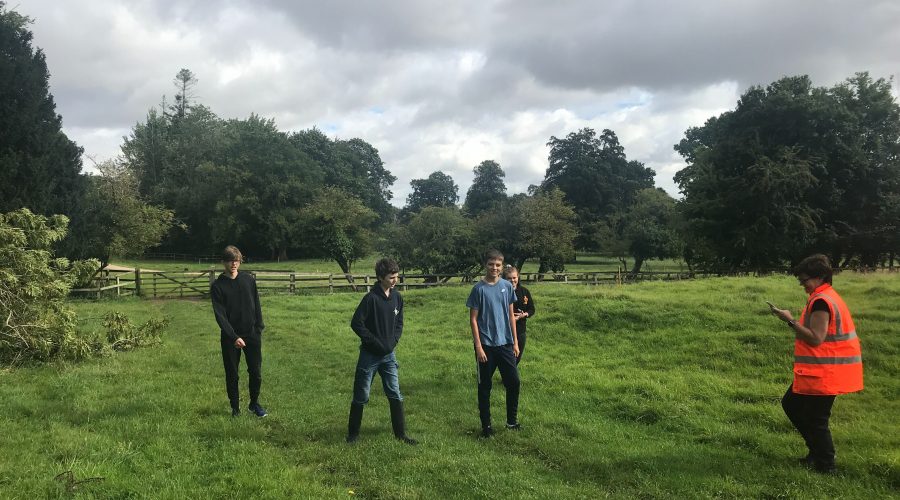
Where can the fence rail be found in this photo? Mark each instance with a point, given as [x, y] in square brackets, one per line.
[196, 284]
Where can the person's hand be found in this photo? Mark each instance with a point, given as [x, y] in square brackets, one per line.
[519, 315]
[239, 343]
[480, 355]
[782, 314]
[516, 350]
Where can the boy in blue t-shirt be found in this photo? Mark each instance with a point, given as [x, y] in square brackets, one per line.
[494, 334]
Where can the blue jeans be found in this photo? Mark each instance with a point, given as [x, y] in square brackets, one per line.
[366, 367]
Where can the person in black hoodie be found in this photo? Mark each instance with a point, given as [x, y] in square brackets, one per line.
[378, 321]
[524, 307]
[235, 301]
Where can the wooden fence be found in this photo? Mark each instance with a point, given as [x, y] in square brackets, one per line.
[196, 284]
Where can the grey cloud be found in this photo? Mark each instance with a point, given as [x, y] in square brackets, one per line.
[604, 45]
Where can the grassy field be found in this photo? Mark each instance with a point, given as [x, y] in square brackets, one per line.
[655, 390]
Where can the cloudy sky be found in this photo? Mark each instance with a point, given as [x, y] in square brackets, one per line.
[444, 85]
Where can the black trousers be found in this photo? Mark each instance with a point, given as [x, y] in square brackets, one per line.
[231, 357]
[522, 338]
[501, 357]
[810, 415]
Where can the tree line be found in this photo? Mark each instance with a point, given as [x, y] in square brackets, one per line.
[792, 169]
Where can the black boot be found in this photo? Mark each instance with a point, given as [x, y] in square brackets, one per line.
[398, 422]
[356, 411]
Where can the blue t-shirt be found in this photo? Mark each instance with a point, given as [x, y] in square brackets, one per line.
[492, 302]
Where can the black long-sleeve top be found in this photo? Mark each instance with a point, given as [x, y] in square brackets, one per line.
[378, 321]
[524, 303]
[236, 306]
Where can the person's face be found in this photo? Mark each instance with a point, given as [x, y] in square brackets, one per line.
[809, 284]
[389, 281]
[513, 278]
[231, 266]
[493, 267]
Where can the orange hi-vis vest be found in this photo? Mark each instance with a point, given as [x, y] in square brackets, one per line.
[834, 366]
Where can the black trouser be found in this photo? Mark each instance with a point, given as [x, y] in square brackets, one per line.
[501, 357]
[810, 415]
[522, 337]
[231, 356]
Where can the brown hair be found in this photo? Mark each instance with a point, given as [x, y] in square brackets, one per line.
[385, 267]
[509, 270]
[491, 255]
[230, 253]
[815, 266]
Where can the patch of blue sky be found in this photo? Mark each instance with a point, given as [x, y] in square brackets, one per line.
[376, 110]
[331, 128]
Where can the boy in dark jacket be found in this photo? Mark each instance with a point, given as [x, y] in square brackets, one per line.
[235, 301]
[378, 321]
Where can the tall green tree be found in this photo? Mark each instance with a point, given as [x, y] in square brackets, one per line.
[548, 230]
[791, 170]
[540, 227]
[595, 176]
[649, 228]
[167, 154]
[39, 165]
[113, 220]
[437, 190]
[340, 226]
[437, 240]
[353, 165]
[185, 81]
[275, 183]
[487, 189]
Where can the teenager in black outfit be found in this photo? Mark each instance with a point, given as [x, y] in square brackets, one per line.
[378, 321]
[524, 307]
[235, 301]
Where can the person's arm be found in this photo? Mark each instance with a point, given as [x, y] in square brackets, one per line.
[398, 325]
[818, 328]
[512, 324]
[221, 314]
[358, 324]
[818, 325]
[259, 319]
[476, 337]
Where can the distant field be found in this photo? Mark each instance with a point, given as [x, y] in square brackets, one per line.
[583, 263]
[654, 390]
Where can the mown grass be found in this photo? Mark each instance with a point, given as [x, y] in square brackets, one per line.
[655, 390]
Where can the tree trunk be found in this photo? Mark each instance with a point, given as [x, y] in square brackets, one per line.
[638, 262]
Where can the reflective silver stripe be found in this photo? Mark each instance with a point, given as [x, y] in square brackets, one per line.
[828, 360]
[838, 338]
[837, 313]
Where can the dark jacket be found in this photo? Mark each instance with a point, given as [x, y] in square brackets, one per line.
[524, 303]
[378, 321]
[236, 306]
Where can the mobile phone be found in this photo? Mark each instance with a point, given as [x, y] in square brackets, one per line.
[771, 305]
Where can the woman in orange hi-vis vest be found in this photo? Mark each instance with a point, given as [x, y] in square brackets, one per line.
[827, 360]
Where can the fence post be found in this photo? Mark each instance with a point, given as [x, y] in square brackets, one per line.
[212, 278]
[367, 283]
[330, 283]
[293, 283]
[137, 282]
